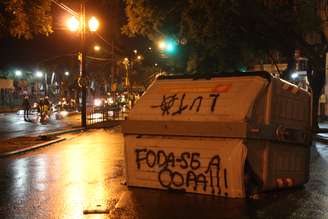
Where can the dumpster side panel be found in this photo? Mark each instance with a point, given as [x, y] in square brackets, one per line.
[213, 166]
[277, 165]
[291, 106]
[289, 165]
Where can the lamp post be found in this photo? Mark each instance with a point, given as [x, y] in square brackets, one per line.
[126, 63]
[96, 48]
[79, 24]
[38, 75]
[18, 73]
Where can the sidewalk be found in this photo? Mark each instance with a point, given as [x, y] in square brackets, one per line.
[26, 143]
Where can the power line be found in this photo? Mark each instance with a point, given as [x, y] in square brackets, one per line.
[109, 44]
[66, 8]
[72, 12]
[100, 59]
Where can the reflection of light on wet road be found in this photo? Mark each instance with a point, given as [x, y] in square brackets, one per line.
[74, 192]
[63, 180]
[41, 172]
[85, 175]
[13, 125]
[21, 177]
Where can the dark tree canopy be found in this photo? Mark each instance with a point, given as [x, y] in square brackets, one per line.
[225, 34]
[25, 18]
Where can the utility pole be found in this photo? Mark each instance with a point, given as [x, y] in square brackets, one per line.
[78, 23]
[83, 67]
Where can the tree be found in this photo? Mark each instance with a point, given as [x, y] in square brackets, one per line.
[25, 18]
[222, 35]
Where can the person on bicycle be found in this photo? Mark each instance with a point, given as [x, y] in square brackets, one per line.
[46, 104]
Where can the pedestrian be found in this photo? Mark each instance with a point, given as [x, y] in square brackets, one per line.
[26, 107]
[47, 104]
[40, 105]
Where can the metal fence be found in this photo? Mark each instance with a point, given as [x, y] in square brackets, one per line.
[106, 114]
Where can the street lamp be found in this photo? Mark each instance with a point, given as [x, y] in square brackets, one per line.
[93, 24]
[73, 24]
[79, 24]
[18, 73]
[126, 63]
[39, 81]
[39, 74]
[66, 73]
[294, 75]
[162, 45]
[167, 46]
[96, 48]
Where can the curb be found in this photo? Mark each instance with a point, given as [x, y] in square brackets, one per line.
[63, 132]
[93, 126]
[105, 124]
[31, 147]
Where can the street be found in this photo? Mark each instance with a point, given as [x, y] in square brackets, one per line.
[85, 173]
[13, 125]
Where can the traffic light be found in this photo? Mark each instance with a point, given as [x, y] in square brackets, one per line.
[168, 46]
[243, 69]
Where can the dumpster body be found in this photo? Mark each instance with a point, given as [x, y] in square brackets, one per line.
[230, 135]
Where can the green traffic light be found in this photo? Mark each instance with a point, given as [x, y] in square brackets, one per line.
[170, 46]
[167, 46]
[243, 69]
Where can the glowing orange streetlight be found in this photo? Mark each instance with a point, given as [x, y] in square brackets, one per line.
[93, 24]
[73, 24]
[96, 48]
[162, 45]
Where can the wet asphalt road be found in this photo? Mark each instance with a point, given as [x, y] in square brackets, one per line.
[13, 125]
[85, 173]
[62, 180]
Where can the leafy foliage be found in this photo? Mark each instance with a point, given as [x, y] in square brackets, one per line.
[25, 18]
[223, 34]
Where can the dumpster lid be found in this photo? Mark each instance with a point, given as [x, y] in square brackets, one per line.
[184, 99]
[262, 74]
[182, 104]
